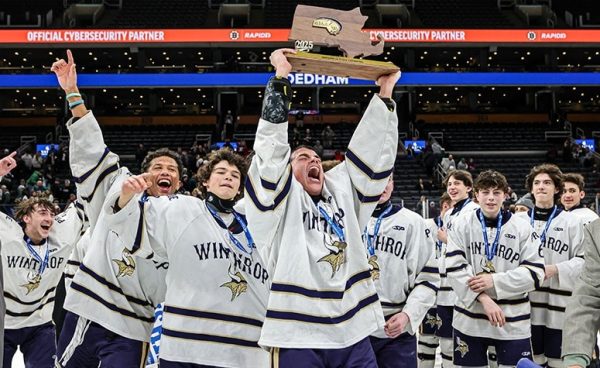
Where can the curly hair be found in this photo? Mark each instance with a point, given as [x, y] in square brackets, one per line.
[224, 154]
[162, 152]
[490, 179]
[26, 207]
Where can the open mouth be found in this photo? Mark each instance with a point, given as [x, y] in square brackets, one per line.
[45, 227]
[314, 174]
[164, 184]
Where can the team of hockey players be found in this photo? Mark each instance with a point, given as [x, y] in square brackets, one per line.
[310, 269]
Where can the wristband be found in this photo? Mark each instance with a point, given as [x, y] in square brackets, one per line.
[74, 104]
[74, 94]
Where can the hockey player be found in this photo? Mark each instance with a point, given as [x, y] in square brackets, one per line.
[492, 263]
[428, 341]
[459, 184]
[111, 298]
[323, 304]
[559, 235]
[35, 249]
[217, 286]
[573, 194]
[405, 271]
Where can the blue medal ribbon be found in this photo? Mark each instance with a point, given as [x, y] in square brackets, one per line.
[336, 228]
[438, 244]
[43, 262]
[241, 221]
[490, 253]
[370, 238]
[543, 234]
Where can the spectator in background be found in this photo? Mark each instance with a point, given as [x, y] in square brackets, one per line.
[462, 164]
[318, 148]
[511, 196]
[308, 138]
[524, 204]
[327, 135]
[472, 165]
[37, 161]
[27, 159]
[421, 186]
[228, 121]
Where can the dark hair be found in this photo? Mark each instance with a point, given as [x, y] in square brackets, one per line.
[490, 179]
[300, 147]
[224, 154]
[461, 175]
[574, 178]
[553, 172]
[29, 205]
[162, 152]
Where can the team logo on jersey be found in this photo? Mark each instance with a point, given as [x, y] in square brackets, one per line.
[375, 270]
[126, 264]
[335, 258]
[399, 228]
[433, 321]
[33, 282]
[237, 285]
[461, 347]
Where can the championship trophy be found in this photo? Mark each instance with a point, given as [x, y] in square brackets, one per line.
[314, 25]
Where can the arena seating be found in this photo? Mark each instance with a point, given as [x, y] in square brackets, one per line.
[461, 14]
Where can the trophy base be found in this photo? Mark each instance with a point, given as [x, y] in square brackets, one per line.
[339, 66]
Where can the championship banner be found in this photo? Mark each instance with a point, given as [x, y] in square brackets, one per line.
[268, 35]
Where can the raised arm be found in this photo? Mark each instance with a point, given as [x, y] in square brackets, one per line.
[372, 150]
[93, 166]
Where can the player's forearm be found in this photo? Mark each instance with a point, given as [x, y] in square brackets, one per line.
[123, 200]
[79, 110]
[277, 100]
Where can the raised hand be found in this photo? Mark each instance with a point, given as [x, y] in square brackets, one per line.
[66, 73]
[387, 83]
[134, 185]
[280, 62]
[7, 164]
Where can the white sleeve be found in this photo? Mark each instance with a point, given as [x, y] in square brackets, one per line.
[149, 225]
[457, 262]
[528, 276]
[68, 226]
[569, 271]
[371, 155]
[427, 280]
[93, 165]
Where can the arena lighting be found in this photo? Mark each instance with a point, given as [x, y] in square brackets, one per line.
[165, 80]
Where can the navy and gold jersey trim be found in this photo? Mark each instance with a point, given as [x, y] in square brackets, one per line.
[8, 295]
[467, 313]
[75, 286]
[308, 318]
[209, 338]
[29, 313]
[112, 287]
[547, 306]
[86, 175]
[212, 315]
[362, 166]
[321, 294]
[109, 170]
[278, 199]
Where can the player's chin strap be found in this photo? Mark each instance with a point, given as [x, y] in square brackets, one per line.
[221, 205]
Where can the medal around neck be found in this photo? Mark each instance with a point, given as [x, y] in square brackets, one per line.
[317, 26]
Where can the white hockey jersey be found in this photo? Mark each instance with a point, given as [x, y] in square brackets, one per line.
[516, 269]
[585, 214]
[216, 294]
[563, 248]
[110, 287]
[322, 295]
[404, 266]
[29, 295]
[446, 296]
